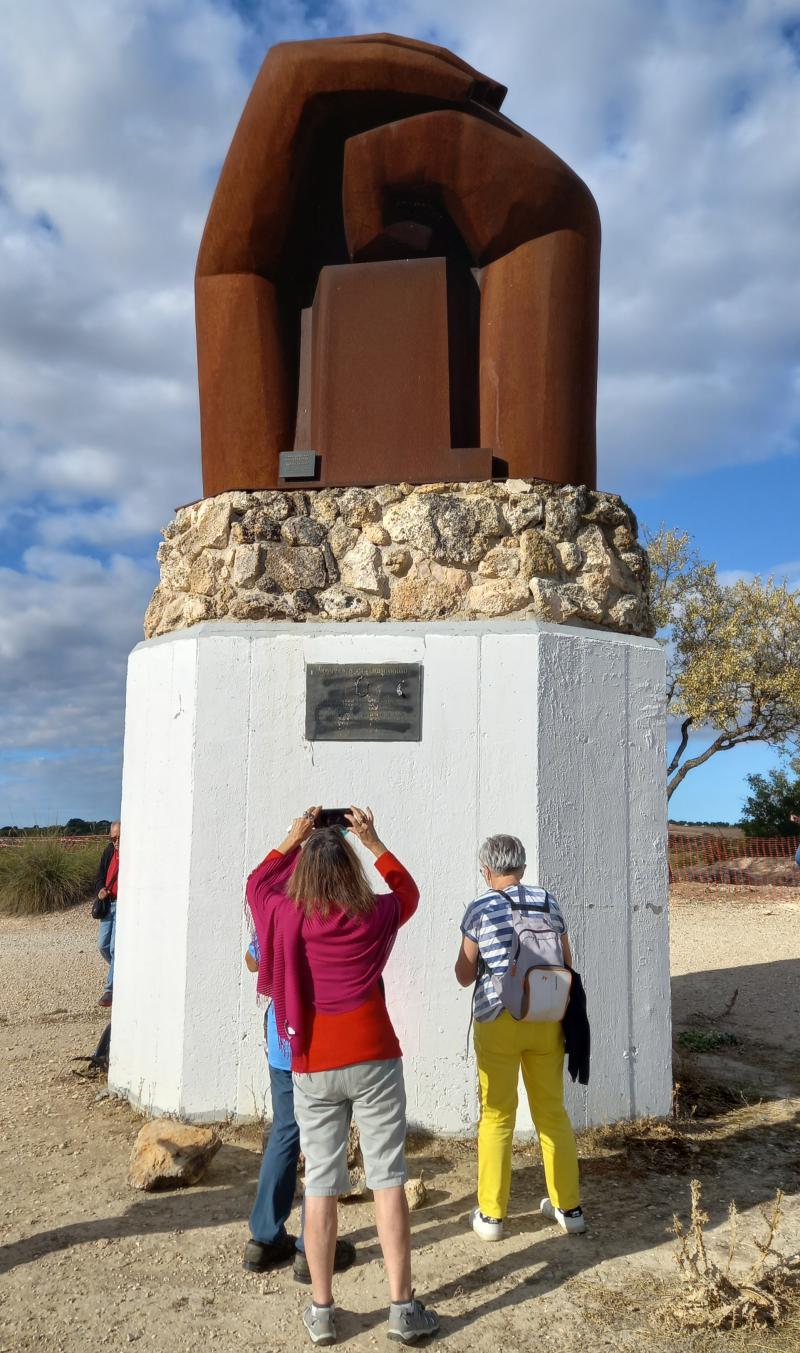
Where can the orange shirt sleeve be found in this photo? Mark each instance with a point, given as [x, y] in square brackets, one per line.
[400, 882]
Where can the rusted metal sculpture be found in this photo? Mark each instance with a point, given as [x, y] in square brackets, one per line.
[395, 282]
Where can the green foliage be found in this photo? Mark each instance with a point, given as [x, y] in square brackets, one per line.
[706, 1040]
[772, 800]
[697, 822]
[733, 653]
[41, 875]
[77, 826]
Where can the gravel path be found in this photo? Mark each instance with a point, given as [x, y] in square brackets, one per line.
[88, 1264]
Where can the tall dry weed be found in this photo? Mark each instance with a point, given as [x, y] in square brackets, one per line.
[736, 1296]
[40, 875]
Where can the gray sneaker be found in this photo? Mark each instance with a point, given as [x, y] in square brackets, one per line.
[409, 1321]
[320, 1323]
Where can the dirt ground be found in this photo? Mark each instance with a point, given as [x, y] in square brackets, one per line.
[87, 1263]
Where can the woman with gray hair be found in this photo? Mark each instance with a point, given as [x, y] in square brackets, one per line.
[504, 1045]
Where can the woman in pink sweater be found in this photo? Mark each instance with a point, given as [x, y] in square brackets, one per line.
[324, 939]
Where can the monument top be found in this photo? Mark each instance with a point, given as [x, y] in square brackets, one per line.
[395, 282]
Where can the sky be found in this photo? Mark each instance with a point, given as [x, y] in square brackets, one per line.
[682, 117]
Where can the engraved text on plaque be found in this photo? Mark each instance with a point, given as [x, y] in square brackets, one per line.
[366, 702]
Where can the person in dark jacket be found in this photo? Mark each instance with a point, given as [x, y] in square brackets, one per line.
[106, 887]
[504, 1045]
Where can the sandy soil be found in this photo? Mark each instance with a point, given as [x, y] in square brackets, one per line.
[87, 1263]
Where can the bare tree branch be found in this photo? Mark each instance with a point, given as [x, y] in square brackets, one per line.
[723, 743]
[685, 726]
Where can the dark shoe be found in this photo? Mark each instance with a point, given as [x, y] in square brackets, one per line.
[344, 1256]
[259, 1257]
[88, 1073]
[105, 1000]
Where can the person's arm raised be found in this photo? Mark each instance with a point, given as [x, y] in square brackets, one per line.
[271, 875]
[362, 825]
[299, 832]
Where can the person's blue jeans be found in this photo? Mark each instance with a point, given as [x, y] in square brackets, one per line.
[278, 1174]
[105, 943]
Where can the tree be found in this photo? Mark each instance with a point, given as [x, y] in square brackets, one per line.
[733, 653]
[772, 800]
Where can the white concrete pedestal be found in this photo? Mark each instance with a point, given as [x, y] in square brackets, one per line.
[551, 732]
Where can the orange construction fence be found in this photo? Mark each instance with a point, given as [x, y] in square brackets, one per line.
[766, 861]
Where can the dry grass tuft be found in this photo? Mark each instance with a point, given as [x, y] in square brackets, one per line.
[647, 1143]
[714, 1298]
[42, 874]
[696, 1097]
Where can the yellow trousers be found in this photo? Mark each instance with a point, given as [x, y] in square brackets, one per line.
[502, 1046]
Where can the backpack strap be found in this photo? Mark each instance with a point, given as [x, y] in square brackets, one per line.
[515, 945]
[522, 904]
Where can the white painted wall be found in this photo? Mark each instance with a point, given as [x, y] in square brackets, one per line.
[551, 732]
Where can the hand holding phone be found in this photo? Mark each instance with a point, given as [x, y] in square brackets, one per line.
[361, 823]
[332, 817]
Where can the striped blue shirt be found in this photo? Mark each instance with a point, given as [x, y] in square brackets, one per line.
[487, 921]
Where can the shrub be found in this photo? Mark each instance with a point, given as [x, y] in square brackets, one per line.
[706, 1040]
[772, 801]
[42, 875]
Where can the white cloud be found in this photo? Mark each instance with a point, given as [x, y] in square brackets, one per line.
[788, 571]
[114, 124]
[67, 624]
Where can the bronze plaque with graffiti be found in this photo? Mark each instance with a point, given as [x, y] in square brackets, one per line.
[368, 702]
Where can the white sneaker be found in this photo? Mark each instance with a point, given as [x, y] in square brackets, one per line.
[488, 1228]
[573, 1222]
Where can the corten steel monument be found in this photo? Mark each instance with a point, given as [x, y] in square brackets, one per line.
[395, 282]
[396, 306]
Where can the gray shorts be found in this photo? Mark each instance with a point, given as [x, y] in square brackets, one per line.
[324, 1102]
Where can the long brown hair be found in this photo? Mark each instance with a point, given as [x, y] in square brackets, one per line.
[329, 874]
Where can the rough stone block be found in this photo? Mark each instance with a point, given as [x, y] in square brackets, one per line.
[170, 1155]
[293, 566]
[444, 541]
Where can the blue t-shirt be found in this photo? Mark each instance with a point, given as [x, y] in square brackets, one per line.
[279, 1053]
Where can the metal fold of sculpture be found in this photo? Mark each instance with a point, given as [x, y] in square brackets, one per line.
[395, 282]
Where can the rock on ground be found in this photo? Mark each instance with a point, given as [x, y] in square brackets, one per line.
[171, 1155]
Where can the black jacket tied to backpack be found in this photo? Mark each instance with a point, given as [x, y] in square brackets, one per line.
[577, 1037]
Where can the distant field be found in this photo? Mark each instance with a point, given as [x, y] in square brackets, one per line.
[700, 829]
[69, 842]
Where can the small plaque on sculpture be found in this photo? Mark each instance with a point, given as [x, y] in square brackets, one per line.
[297, 465]
[369, 702]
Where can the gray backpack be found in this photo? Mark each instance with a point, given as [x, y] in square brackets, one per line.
[536, 985]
